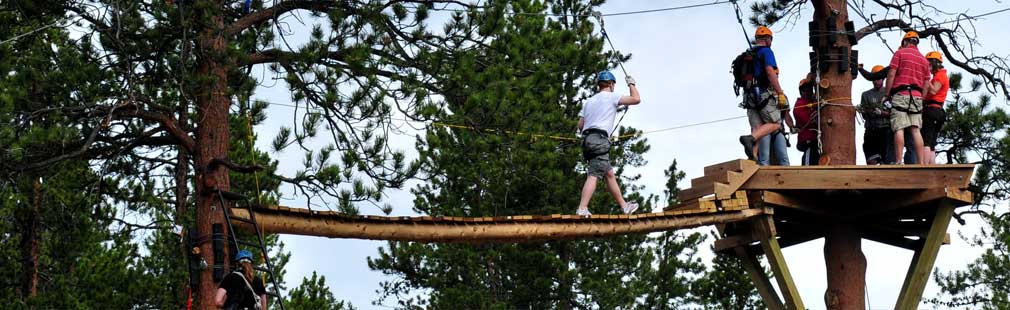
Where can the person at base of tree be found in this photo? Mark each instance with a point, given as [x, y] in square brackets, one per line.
[933, 115]
[596, 121]
[804, 111]
[240, 289]
[909, 72]
[765, 119]
[877, 134]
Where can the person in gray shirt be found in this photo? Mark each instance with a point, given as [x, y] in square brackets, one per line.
[877, 132]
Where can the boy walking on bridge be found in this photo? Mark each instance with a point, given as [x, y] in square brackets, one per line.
[596, 121]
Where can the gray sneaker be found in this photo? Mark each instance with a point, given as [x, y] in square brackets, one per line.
[583, 212]
[748, 146]
[632, 206]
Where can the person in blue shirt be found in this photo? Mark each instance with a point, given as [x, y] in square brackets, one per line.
[767, 100]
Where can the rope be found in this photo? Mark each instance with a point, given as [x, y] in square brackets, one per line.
[739, 20]
[603, 30]
[609, 14]
[252, 150]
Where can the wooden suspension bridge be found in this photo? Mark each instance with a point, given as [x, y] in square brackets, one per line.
[758, 211]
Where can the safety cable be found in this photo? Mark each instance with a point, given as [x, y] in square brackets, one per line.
[15, 38]
[739, 20]
[590, 15]
[603, 30]
[562, 137]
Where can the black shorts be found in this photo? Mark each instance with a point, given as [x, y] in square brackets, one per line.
[932, 121]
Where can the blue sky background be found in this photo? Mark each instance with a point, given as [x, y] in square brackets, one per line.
[681, 62]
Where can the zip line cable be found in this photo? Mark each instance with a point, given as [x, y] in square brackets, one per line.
[17, 37]
[675, 8]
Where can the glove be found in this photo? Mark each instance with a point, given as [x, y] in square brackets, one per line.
[630, 80]
[783, 101]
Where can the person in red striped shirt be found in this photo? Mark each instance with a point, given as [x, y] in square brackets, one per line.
[905, 81]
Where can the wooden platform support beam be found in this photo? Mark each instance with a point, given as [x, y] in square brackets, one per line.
[482, 230]
[764, 230]
[922, 262]
[757, 274]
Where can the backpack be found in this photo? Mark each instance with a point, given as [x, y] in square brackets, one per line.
[743, 71]
[257, 303]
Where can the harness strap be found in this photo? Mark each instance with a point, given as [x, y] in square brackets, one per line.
[587, 153]
[908, 87]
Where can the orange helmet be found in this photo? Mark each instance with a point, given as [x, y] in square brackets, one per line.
[911, 35]
[934, 55]
[762, 31]
[877, 68]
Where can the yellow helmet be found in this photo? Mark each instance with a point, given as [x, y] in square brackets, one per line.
[934, 55]
[911, 35]
[877, 68]
[762, 31]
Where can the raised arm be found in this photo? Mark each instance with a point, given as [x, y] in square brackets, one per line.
[870, 76]
[773, 79]
[633, 99]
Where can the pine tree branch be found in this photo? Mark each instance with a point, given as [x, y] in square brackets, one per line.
[281, 8]
[995, 83]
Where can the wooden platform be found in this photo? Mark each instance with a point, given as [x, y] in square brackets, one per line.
[906, 206]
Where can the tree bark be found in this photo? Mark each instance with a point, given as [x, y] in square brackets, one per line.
[843, 255]
[212, 141]
[31, 242]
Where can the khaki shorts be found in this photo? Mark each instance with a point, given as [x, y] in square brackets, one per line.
[901, 119]
[770, 114]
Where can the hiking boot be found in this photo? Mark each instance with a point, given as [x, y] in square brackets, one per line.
[748, 146]
[632, 206]
[583, 212]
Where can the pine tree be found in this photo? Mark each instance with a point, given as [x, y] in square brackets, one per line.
[508, 92]
[55, 220]
[976, 131]
[313, 294]
[160, 110]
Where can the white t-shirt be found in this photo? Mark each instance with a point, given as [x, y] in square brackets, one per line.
[600, 110]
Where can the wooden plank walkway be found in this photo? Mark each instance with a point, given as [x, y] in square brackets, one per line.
[501, 229]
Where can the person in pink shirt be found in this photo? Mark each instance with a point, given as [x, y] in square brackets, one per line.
[905, 81]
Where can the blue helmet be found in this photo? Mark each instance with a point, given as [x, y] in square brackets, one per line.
[243, 254]
[606, 76]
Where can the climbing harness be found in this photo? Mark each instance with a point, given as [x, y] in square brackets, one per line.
[603, 30]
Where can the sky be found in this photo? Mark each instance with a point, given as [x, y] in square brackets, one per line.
[680, 60]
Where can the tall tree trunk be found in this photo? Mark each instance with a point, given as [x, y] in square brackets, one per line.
[212, 141]
[843, 255]
[565, 288]
[31, 242]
